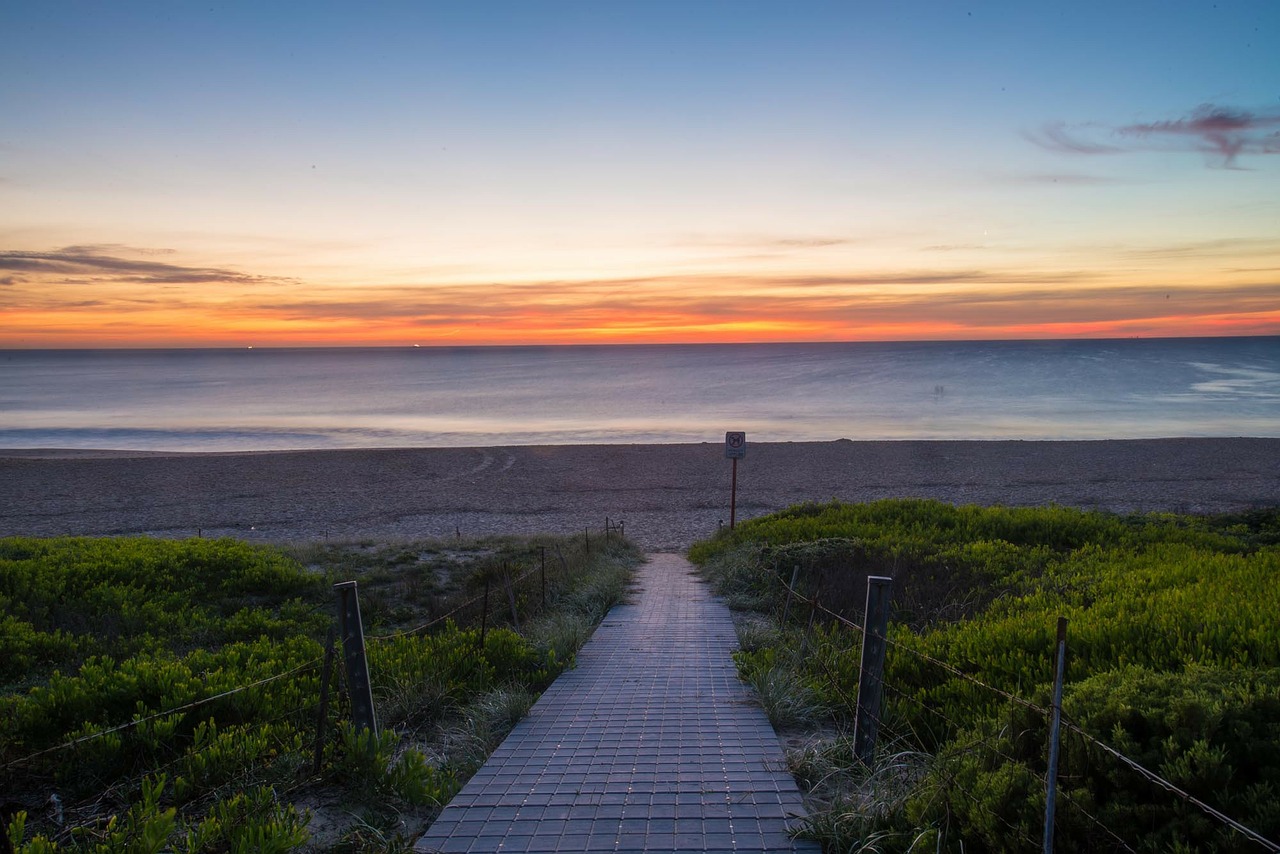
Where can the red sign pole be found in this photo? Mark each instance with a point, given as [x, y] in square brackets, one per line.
[733, 495]
[735, 447]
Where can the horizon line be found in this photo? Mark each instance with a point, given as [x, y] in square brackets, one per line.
[543, 345]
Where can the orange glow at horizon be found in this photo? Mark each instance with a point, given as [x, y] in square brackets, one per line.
[37, 330]
[89, 297]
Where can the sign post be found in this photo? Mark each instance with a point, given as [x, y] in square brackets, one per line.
[735, 448]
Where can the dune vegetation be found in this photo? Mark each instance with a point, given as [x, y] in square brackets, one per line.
[1173, 664]
[166, 695]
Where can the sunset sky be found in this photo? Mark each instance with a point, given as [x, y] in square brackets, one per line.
[279, 174]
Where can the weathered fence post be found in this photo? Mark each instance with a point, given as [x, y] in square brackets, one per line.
[786, 609]
[352, 631]
[875, 629]
[1051, 775]
[542, 551]
[484, 613]
[586, 540]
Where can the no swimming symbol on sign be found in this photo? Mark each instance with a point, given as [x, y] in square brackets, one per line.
[735, 445]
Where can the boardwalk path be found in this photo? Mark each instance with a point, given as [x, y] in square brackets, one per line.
[650, 744]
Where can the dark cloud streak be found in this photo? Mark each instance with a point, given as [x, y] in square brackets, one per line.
[89, 261]
[1224, 134]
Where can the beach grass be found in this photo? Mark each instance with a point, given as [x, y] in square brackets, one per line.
[117, 645]
[1174, 661]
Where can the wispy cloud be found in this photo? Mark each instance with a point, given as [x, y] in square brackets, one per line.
[81, 261]
[574, 309]
[1066, 179]
[764, 242]
[1223, 134]
[1230, 247]
[1059, 136]
[1219, 131]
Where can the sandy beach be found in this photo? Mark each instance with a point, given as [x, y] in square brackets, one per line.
[668, 496]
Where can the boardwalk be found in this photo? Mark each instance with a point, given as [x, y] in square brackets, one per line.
[650, 744]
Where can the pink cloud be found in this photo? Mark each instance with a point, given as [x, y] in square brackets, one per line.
[1223, 133]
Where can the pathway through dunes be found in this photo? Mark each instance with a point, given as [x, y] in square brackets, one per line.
[650, 744]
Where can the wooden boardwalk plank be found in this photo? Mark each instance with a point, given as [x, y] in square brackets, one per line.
[650, 744]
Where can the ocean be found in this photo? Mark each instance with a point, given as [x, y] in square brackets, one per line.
[275, 399]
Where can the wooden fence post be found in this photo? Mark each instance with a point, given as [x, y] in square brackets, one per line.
[352, 631]
[484, 613]
[875, 629]
[1051, 775]
[786, 609]
[542, 550]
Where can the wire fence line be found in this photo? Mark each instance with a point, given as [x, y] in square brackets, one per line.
[435, 621]
[27, 759]
[1153, 777]
[167, 712]
[1132, 764]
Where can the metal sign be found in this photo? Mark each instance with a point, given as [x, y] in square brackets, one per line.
[735, 445]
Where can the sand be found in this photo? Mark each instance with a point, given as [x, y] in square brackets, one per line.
[668, 496]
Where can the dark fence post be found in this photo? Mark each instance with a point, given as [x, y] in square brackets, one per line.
[542, 551]
[484, 613]
[871, 677]
[786, 609]
[352, 631]
[1051, 775]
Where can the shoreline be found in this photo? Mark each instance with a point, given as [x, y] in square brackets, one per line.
[668, 495]
[56, 453]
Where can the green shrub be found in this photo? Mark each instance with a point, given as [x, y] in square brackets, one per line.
[1174, 657]
[124, 657]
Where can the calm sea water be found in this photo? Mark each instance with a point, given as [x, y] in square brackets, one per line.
[189, 400]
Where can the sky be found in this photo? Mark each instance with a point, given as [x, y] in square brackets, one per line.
[178, 174]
